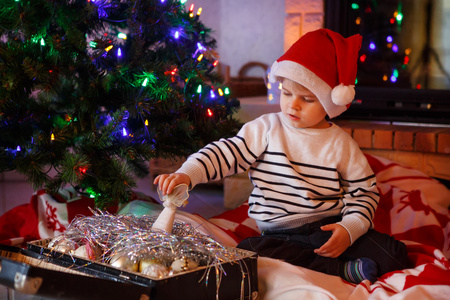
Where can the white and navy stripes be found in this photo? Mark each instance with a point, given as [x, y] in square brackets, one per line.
[299, 175]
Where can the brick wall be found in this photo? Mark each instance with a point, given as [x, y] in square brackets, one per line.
[424, 148]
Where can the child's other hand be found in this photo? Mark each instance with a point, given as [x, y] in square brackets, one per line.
[338, 242]
[166, 182]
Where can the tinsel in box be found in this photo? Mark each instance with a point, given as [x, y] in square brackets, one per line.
[183, 264]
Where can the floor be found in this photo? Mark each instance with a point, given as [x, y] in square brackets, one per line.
[205, 200]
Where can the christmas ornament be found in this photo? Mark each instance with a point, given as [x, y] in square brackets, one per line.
[62, 244]
[88, 251]
[156, 270]
[183, 264]
[177, 198]
[122, 261]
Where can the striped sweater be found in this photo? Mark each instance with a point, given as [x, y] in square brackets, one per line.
[300, 175]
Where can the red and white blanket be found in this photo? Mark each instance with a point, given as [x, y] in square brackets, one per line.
[414, 208]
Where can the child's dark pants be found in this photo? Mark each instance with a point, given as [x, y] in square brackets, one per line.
[296, 246]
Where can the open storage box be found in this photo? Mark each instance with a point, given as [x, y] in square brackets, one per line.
[28, 274]
[233, 280]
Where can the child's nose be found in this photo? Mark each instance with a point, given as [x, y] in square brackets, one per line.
[296, 104]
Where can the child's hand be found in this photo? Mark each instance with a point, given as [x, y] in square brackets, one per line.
[166, 182]
[338, 242]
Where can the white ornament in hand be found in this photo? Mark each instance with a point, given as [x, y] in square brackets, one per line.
[177, 198]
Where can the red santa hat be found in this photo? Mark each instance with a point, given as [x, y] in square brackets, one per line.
[324, 62]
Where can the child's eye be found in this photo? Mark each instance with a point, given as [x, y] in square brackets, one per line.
[287, 93]
[309, 100]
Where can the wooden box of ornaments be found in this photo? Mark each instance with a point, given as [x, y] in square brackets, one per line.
[183, 264]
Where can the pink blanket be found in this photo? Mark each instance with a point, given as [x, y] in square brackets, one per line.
[413, 207]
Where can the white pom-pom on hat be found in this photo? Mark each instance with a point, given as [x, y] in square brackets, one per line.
[343, 94]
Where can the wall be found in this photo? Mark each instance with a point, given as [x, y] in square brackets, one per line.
[257, 30]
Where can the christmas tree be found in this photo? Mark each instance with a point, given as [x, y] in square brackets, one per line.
[93, 89]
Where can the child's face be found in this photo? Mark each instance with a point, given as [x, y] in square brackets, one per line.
[301, 107]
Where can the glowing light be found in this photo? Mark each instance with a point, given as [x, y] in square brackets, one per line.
[395, 48]
[199, 89]
[395, 73]
[269, 85]
[122, 36]
[362, 58]
[358, 21]
[119, 52]
[18, 148]
[227, 91]
[191, 9]
[93, 44]
[183, 1]
[109, 48]
[393, 78]
[200, 57]
[389, 39]
[212, 94]
[146, 122]
[355, 6]
[406, 60]
[372, 46]
[124, 132]
[385, 78]
[42, 42]
[210, 113]
[176, 35]
[418, 86]
[408, 51]
[52, 137]
[145, 82]
[280, 86]
[220, 92]
[215, 63]
[399, 17]
[199, 11]
[200, 47]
